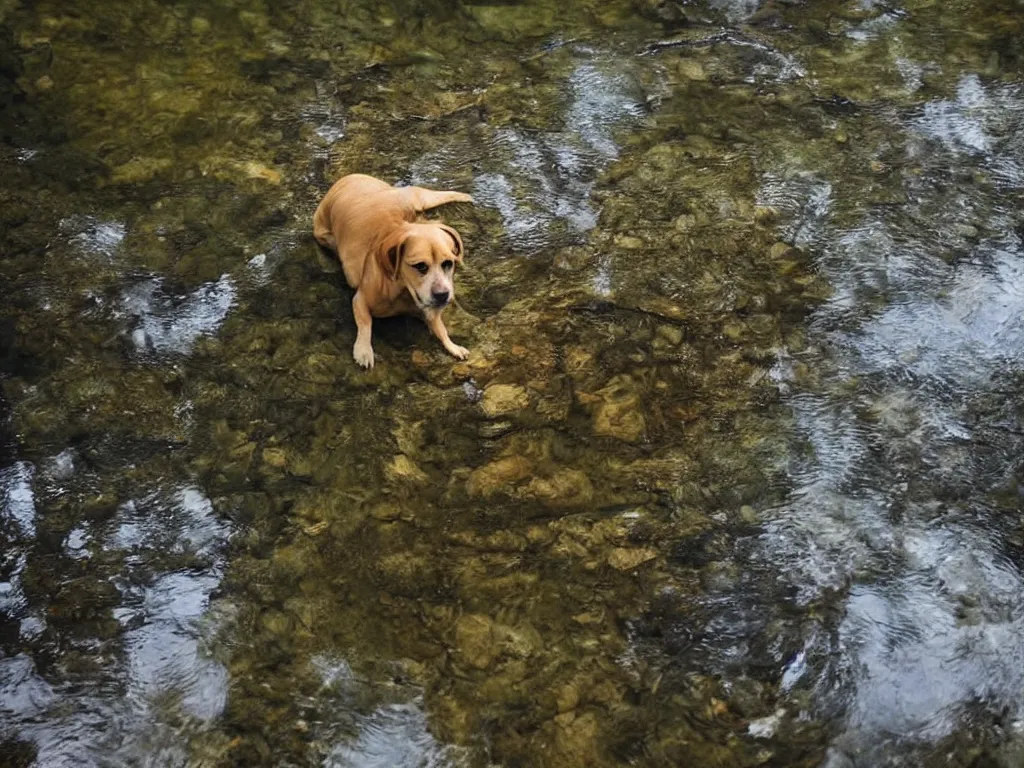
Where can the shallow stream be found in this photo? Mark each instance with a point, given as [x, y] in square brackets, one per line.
[732, 477]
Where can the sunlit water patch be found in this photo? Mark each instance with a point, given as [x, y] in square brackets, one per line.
[93, 236]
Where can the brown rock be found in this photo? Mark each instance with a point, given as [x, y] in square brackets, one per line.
[503, 399]
[476, 641]
[625, 559]
[565, 488]
[497, 476]
[618, 414]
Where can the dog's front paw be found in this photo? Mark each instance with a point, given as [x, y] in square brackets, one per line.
[363, 353]
[460, 353]
[464, 198]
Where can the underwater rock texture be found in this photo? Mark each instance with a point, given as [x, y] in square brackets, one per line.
[734, 457]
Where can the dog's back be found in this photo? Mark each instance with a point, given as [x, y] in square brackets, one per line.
[357, 213]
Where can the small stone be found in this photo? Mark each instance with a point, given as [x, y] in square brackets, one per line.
[748, 514]
[625, 559]
[256, 170]
[618, 414]
[386, 511]
[316, 529]
[140, 169]
[420, 358]
[841, 137]
[275, 457]
[493, 429]
[689, 69]
[539, 534]
[685, 222]
[497, 476]
[629, 242]
[521, 641]
[476, 641]
[765, 215]
[402, 468]
[503, 400]
[44, 83]
[565, 488]
[967, 231]
[670, 333]
[199, 25]
[568, 698]
[734, 330]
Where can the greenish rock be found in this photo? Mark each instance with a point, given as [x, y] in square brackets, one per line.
[476, 641]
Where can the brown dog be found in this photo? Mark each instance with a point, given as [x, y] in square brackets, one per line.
[397, 263]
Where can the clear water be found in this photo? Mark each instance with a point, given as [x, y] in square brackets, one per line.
[732, 476]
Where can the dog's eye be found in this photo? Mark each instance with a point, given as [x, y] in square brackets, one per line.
[447, 264]
[421, 267]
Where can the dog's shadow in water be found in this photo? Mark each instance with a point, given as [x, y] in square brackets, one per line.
[400, 334]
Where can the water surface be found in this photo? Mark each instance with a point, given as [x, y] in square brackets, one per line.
[730, 478]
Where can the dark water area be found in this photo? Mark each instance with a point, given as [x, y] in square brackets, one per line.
[731, 477]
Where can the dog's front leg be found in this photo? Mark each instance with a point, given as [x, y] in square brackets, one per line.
[436, 325]
[362, 351]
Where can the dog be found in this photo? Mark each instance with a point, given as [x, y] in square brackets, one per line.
[396, 262]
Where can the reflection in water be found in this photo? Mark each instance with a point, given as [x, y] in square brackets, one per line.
[554, 171]
[163, 689]
[392, 736]
[891, 505]
[167, 324]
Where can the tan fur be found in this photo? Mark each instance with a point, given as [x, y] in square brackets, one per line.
[396, 262]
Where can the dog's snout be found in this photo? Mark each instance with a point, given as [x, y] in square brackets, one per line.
[440, 297]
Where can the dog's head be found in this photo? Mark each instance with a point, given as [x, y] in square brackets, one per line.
[423, 258]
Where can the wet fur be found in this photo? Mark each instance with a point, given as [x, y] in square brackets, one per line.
[377, 232]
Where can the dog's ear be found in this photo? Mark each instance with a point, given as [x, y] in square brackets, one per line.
[391, 253]
[458, 249]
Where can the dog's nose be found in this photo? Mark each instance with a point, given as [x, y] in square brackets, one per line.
[440, 297]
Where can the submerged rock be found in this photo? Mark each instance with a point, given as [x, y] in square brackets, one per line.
[618, 413]
[404, 469]
[503, 400]
[476, 640]
[623, 559]
[498, 476]
[565, 488]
